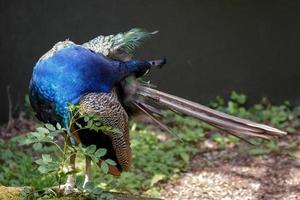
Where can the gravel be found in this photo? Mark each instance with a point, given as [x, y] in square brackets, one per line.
[227, 175]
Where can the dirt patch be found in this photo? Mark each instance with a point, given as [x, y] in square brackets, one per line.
[17, 127]
[227, 174]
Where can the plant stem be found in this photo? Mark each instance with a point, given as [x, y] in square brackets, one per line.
[63, 160]
[55, 145]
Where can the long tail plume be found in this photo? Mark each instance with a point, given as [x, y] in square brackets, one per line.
[147, 96]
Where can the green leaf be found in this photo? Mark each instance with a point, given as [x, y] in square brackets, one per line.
[90, 149]
[34, 134]
[185, 157]
[28, 140]
[54, 133]
[97, 191]
[104, 167]
[239, 98]
[86, 118]
[89, 186]
[37, 146]
[89, 124]
[114, 130]
[111, 162]
[50, 127]
[43, 169]
[38, 135]
[156, 178]
[79, 125]
[72, 107]
[39, 162]
[58, 126]
[42, 130]
[7, 154]
[100, 152]
[291, 130]
[46, 158]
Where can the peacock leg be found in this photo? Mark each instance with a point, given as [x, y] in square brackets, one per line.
[87, 176]
[68, 187]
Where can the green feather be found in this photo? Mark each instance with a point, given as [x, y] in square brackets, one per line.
[128, 41]
[120, 46]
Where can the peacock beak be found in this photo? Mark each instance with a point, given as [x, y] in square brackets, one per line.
[158, 63]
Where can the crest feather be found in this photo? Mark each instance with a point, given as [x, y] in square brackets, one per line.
[120, 46]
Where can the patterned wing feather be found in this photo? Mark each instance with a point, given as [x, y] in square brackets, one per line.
[112, 114]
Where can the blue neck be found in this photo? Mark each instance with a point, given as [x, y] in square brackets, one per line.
[74, 71]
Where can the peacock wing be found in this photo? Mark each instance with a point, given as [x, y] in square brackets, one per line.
[108, 107]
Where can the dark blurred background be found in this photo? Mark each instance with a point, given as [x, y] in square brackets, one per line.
[212, 47]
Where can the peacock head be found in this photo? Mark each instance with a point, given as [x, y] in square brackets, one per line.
[140, 68]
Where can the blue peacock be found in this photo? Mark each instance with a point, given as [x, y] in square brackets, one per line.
[101, 78]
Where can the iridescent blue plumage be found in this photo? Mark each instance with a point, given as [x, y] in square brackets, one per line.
[69, 73]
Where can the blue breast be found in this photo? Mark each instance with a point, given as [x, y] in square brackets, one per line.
[65, 76]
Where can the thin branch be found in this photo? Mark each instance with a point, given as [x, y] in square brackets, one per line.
[10, 118]
[59, 148]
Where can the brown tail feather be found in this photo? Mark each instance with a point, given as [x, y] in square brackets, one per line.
[147, 112]
[228, 123]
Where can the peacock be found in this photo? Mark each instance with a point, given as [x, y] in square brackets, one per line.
[102, 78]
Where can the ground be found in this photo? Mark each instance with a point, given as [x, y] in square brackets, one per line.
[15, 127]
[228, 175]
[216, 168]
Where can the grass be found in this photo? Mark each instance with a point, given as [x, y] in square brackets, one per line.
[157, 157]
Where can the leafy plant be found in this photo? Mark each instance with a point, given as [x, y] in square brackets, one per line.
[55, 166]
